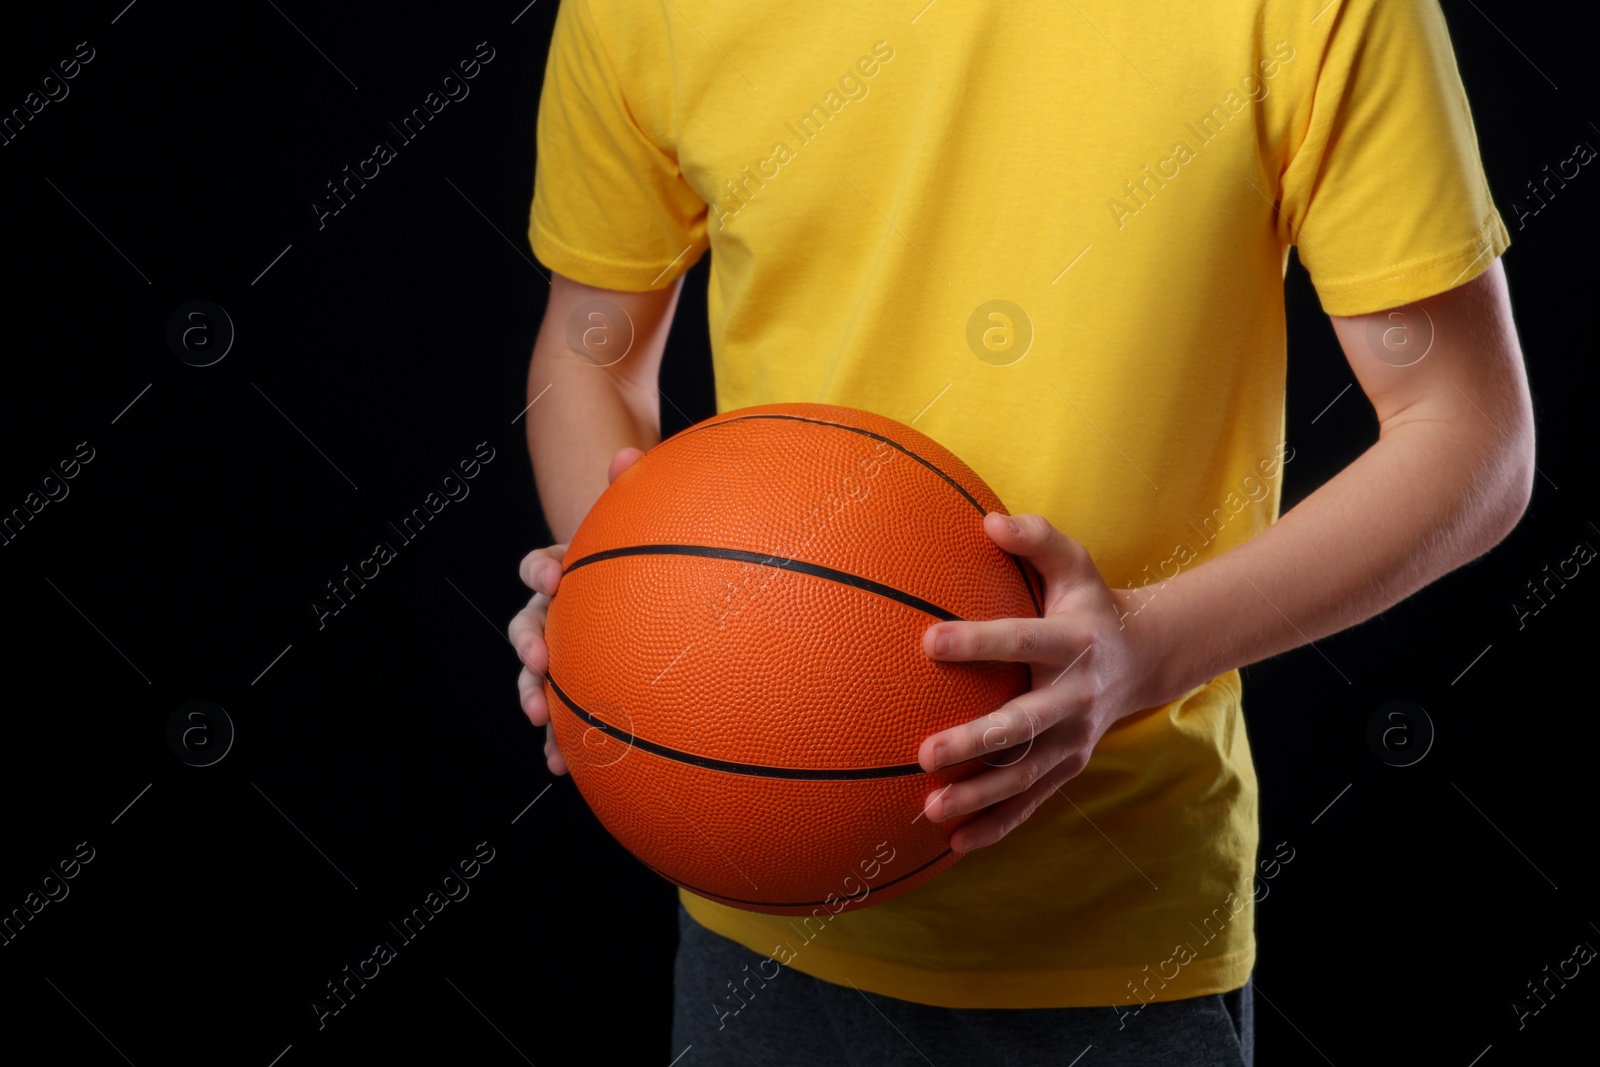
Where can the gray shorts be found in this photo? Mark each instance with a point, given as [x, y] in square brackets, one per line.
[727, 1015]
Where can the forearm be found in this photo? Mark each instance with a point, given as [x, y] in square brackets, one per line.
[581, 414]
[1435, 491]
[1449, 476]
[574, 429]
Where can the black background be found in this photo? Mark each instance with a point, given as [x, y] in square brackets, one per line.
[373, 754]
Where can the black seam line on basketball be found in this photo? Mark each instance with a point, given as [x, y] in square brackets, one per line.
[752, 770]
[957, 486]
[779, 562]
[804, 903]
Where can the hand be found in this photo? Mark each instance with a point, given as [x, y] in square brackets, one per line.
[541, 572]
[1087, 671]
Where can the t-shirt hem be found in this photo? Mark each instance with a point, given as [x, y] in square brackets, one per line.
[604, 273]
[1121, 987]
[1417, 278]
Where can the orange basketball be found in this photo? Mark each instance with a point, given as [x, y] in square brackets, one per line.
[737, 678]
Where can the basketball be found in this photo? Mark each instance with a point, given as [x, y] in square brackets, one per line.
[736, 674]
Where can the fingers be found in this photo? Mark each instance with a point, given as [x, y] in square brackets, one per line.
[1023, 751]
[552, 753]
[1001, 736]
[995, 824]
[625, 458]
[541, 569]
[526, 634]
[1012, 640]
[1057, 755]
[537, 708]
[530, 692]
[541, 572]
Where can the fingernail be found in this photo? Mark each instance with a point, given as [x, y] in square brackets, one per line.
[1013, 525]
[941, 643]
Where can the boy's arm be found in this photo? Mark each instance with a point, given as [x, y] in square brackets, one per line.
[1449, 476]
[593, 410]
[590, 392]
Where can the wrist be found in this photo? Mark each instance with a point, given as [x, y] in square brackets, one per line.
[1156, 674]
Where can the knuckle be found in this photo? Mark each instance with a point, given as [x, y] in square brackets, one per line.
[1099, 687]
[1035, 723]
[1028, 772]
[521, 623]
[531, 561]
[1005, 728]
[530, 650]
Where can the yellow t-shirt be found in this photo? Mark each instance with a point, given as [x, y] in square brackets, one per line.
[1054, 237]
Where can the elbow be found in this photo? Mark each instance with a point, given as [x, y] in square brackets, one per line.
[1509, 486]
[1514, 503]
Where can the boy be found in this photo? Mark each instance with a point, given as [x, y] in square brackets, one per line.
[1054, 238]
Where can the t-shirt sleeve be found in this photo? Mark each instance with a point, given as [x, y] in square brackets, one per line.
[1385, 197]
[610, 206]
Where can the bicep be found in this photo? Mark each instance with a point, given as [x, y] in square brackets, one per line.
[1454, 356]
[618, 332]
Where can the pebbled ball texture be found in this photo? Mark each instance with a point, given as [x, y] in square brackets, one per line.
[736, 675]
